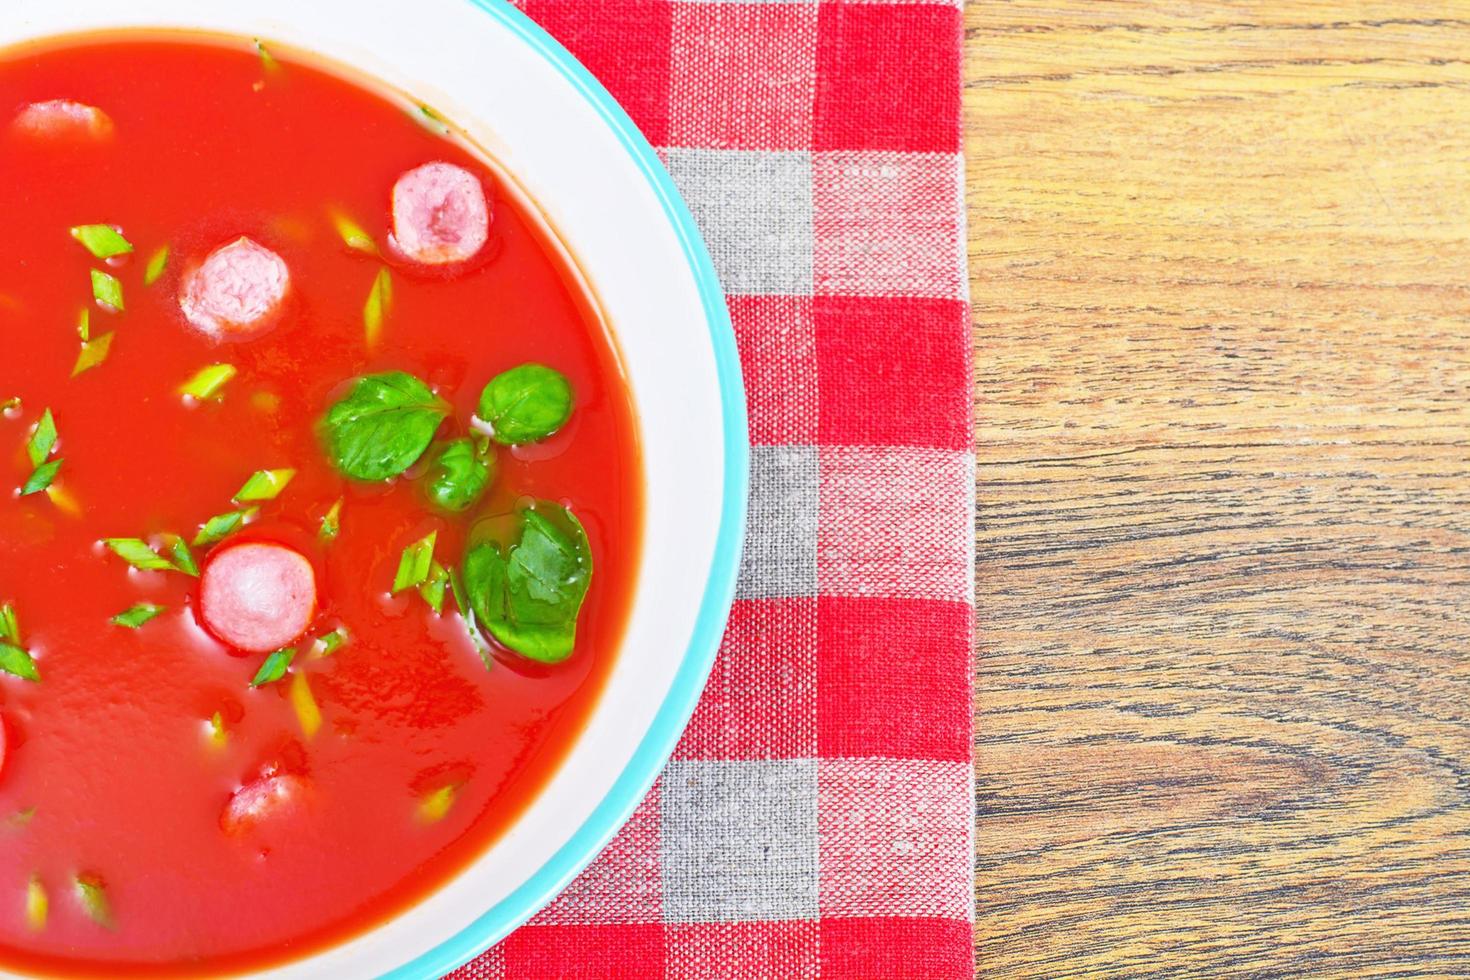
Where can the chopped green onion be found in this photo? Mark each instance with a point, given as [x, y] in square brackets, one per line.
[267, 60]
[137, 616]
[467, 617]
[274, 667]
[217, 734]
[93, 353]
[84, 325]
[221, 526]
[136, 552]
[37, 904]
[330, 643]
[435, 806]
[157, 262]
[353, 234]
[207, 381]
[103, 241]
[331, 523]
[13, 402]
[431, 120]
[264, 485]
[107, 290]
[21, 818]
[41, 477]
[181, 556]
[415, 564]
[18, 661]
[433, 588]
[9, 624]
[42, 440]
[308, 713]
[92, 895]
[377, 307]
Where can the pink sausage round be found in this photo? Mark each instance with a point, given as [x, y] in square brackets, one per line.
[236, 292]
[270, 796]
[63, 119]
[440, 214]
[257, 597]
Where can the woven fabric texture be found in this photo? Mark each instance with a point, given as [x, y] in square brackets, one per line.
[817, 818]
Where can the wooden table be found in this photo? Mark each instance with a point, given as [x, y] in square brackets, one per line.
[1221, 258]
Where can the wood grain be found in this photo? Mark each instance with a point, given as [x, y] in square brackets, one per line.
[1221, 275]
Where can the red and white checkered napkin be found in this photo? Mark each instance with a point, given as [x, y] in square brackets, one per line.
[817, 818]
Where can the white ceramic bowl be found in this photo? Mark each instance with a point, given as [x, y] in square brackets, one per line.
[558, 133]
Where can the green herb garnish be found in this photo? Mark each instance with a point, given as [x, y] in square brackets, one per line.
[93, 353]
[177, 550]
[92, 895]
[467, 617]
[84, 324]
[41, 477]
[415, 563]
[207, 381]
[432, 588]
[175, 556]
[526, 403]
[107, 290]
[264, 485]
[376, 309]
[460, 473]
[38, 906]
[103, 241]
[435, 806]
[267, 60]
[382, 426]
[10, 404]
[353, 234]
[431, 120]
[221, 526]
[527, 592]
[15, 659]
[157, 262]
[137, 615]
[331, 523]
[9, 624]
[328, 644]
[42, 440]
[274, 667]
[21, 818]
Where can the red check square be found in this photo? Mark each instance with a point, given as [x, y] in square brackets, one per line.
[743, 75]
[720, 950]
[887, 370]
[778, 359]
[888, 77]
[896, 949]
[585, 952]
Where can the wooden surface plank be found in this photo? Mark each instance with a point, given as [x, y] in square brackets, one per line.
[1221, 274]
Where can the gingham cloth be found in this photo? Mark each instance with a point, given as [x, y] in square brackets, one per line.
[817, 818]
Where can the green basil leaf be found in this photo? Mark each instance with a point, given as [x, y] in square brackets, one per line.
[42, 440]
[207, 381]
[460, 474]
[137, 615]
[274, 667]
[93, 353]
[136, 552]
[221, 526]
[15, 660]
[416, 563]
[41, 477]
[382, 426]
[157, 262]
[528, 593]
[264, 485]
[107, 290]
[526, 403]
[103, 241]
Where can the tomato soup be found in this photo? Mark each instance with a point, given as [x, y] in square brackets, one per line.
[322, 511]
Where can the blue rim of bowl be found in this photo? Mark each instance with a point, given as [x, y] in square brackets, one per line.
[673, 715]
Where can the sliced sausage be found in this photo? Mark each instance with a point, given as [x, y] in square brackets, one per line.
[63, 119]
[440, 214]
[271, 796]
[237, 292]
[257, 596]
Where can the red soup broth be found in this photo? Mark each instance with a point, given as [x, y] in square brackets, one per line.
[114, 770]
